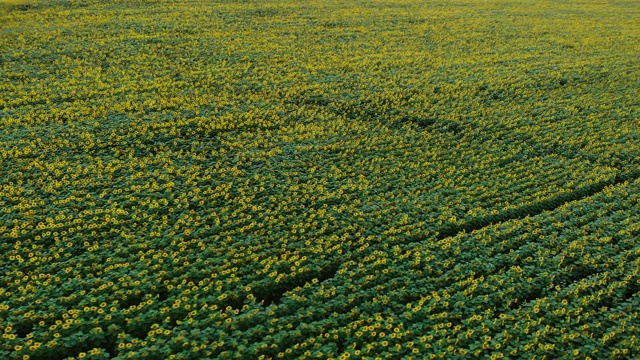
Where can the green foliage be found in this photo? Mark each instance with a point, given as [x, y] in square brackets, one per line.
[392, 179]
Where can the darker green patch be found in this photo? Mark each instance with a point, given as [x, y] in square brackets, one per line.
[274, 293]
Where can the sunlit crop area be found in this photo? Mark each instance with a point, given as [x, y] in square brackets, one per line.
[377, 179]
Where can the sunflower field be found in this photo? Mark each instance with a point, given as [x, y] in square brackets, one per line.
[319, 179]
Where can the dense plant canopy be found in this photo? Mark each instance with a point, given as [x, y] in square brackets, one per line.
[319, 179]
